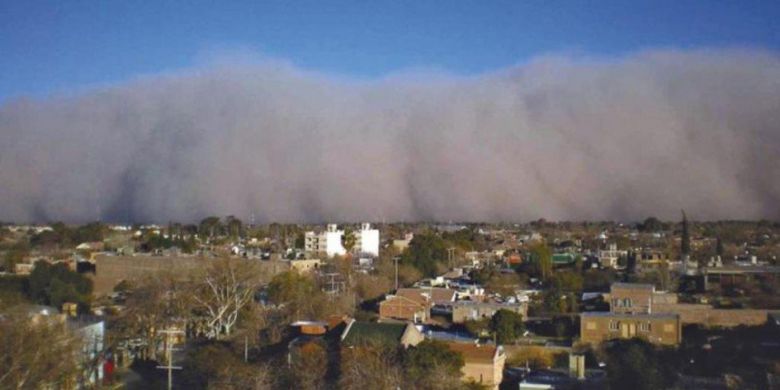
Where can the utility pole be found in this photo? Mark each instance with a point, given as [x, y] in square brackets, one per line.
[450, 254]
[395, 259]
[246, 348]
[169, 354]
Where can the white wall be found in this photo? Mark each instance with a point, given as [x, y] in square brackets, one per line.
[369, 242]
[333, 243]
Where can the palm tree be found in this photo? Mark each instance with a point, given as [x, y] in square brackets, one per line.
[348, 240]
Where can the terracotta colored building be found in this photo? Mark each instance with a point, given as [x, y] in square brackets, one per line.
[405, 308]
[631, 298]
[663, 329]
[484, 364]
[414, 304]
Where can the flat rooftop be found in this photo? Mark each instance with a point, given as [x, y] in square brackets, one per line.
[633, 286]
[606, 314]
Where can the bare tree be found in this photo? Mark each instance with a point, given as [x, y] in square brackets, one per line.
[222, 292]
[370, 367]
[155, 302]
[37, 352]
[309, 365]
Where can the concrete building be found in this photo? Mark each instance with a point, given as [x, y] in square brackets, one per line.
[663, 329]
[483, 364]
[328, 242]
[631, 298]
[305, 265]
[408, 308]
[463, 311]
[434, 295]
[724, 276]
[401, 245]
[632, 314]
[367, 241]
[609, 257]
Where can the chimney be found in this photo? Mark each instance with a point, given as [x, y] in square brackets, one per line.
[577, 366]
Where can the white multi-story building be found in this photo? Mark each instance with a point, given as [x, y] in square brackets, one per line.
[609, 257]
[333, 245]
[330, 241]
[367, 240]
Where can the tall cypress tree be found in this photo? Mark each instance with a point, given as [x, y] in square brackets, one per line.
[685, 247]
[719, 247]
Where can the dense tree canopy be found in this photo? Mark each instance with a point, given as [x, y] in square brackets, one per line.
[635, 364]
[426, 251]
[64, 236]
[429, 356]
[55, 284]
[651, 225]
[507, 326]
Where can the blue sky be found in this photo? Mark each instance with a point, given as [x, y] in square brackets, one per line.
[49, 47]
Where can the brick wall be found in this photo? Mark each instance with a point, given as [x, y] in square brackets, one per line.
[400, 308]
[664, 331]
[110, 270]
[708, 316]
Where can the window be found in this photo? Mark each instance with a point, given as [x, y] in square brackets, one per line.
[644, 326]
[627, 302]
[614, 325]
[616, 302]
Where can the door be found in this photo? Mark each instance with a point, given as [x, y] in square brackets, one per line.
[624, 330]
[631, 330]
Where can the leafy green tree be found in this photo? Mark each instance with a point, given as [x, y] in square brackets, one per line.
[348, 240]
[234, 226]
[567, 281]
[598, 280]
[478, 327]
[91, 232]
[15, 255]
[634, 364]
[426, 251]
[631, 263]
[651, 225]
[54, 284]
[12, 288]
[430, 356]
[719, 247]
[507, 326]
[465, 239]
[209, 227]
[541, 256]
[290, 286]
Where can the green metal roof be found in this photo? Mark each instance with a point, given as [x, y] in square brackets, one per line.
[563, 258]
